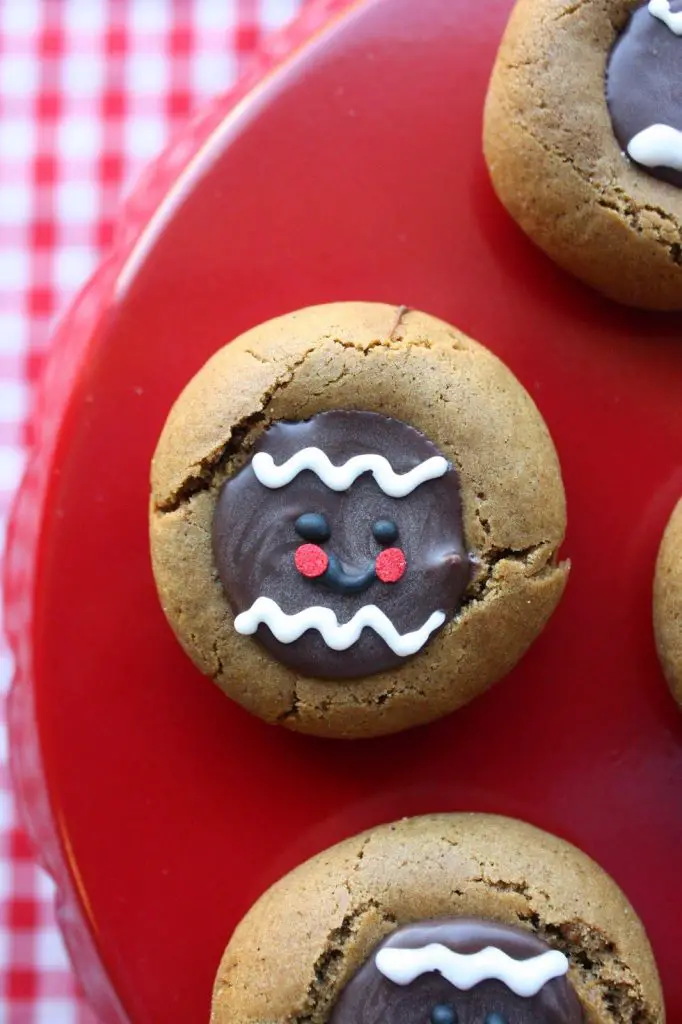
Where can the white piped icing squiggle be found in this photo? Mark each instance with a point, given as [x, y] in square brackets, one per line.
[661, 10]
[464, 970]
[340, 478]
[287, 628]
[657, 146]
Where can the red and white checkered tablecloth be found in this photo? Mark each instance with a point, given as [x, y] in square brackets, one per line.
[90, 90]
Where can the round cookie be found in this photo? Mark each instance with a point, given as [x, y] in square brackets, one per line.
[668, 603]
[445, 919]
[583, 140]
[355, 518]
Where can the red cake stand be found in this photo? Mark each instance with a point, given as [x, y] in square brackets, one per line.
[352, 171]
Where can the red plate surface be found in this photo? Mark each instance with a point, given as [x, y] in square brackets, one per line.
[354, 172]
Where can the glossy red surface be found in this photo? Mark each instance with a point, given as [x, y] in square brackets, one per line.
[163, 810]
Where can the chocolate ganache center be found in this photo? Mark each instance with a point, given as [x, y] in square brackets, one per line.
[339, 544]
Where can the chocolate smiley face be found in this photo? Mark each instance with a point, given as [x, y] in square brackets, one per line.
[643, 89]
[460, 971]
[340, 543]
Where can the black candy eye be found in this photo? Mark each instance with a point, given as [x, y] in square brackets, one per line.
[385, 532]
[443, 1014]
[495, 1018]
[312, 526]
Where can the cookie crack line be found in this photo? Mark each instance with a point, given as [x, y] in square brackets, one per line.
[483, 585]
[391, 343]
[492, 558]
[203, 477]
[291, 711]
[620, 202]
[254, 355]
[629, 209]
[572, 9]
[330, 961]
[589, 950]
[219, 661]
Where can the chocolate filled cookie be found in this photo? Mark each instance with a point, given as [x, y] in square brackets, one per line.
[355, 519]
[445, 919]
[668, 603]
[583, 140]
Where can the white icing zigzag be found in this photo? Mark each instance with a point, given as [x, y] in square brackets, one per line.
[287, 628]
[657, 146]
[523, 977]
[661, 10]
[340, 478]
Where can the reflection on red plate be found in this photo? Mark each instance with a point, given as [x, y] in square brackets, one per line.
[355, 171]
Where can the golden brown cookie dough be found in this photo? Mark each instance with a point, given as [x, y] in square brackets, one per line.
[554, 158]
[668, 603]
[302, 943]
[400, 364]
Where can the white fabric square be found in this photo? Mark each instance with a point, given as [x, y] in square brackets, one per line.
[55, 1011]
[21, 19]
[149, 17]
[13, 401]
[15, 270]
[4, 954]
[11, 468]
[73, 265]
[17, 140]
[14, 330]
[49, 950]
[85, 17]
[77, 202]
[79, 138]
[44, 886]
[214, 73]
[4, 744]
[274, 12]
[212, 17]
[147, 72]
[19, 75]
[144, 138]
[16, 203]
[84, 74]
[6, 809]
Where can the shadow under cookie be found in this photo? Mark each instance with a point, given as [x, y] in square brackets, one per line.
[668, 603]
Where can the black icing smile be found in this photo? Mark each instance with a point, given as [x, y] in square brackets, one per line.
[342, 582]
[313, 527]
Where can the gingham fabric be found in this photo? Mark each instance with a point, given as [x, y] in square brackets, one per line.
[90, 90]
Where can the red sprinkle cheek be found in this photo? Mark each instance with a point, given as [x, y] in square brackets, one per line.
[311, 561]
[391, 565]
